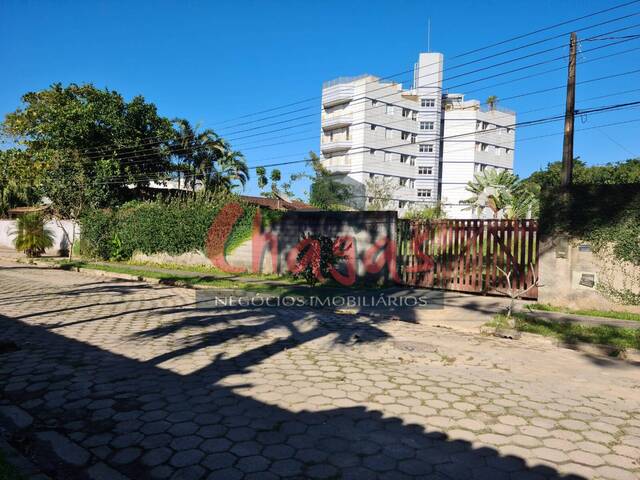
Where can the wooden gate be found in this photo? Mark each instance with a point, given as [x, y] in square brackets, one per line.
[468, 255]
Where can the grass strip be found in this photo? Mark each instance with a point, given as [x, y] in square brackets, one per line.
[572, 333]
[545, 307]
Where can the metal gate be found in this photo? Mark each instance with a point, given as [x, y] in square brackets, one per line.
[469, 255]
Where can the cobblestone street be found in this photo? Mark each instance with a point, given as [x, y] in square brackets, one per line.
[116, 379]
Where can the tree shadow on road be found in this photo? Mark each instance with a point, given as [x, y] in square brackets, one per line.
[147, 422]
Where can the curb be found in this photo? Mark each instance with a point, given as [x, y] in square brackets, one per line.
[587, 321]
[240, 293]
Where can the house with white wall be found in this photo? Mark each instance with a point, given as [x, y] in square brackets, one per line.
[426, 143]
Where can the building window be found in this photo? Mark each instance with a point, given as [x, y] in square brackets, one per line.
[373, 127]
[404, 135]
[372, 175]
[424, 192]
[403, 182]
[426, 148]
[389, 109]
[401, 204]
[405, 112]
[481, 147]
[425, 170]
[412, 161]
[413, 138]
[427, 125]
[428, 102]
[414, 115]
[372, 151]
[374, 103]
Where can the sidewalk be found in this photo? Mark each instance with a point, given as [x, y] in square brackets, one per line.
[445, 308]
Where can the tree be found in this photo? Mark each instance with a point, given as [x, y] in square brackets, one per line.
[18, 180]
[114, 142]
[504, 194]
[492, 102]
[31, 235]
[435, 212]
[610, 173]
[197, 152]
[326, 191]
[274, 177]
[379, 193]
[230, 168]
[261, 173]
[66, 186]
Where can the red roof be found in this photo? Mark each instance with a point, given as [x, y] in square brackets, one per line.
[277, 203]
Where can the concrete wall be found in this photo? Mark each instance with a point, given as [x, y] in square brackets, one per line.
[365, 227]
[566, 268]
[60, 241]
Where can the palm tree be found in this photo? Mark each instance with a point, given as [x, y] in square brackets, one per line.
[491, 188]
[492, 101]
[207, 157]
[31, 236]
[230, 167]
[503, 193]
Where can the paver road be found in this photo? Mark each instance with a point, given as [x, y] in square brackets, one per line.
[118, 379]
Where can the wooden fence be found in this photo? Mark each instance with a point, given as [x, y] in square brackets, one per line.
[467, 255]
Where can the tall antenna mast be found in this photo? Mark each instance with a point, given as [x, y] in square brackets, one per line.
[429, 35]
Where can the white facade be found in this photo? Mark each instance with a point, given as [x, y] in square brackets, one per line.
[428, 145]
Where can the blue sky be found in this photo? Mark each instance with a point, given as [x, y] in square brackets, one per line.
[212, 62]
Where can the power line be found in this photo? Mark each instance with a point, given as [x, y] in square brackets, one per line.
[153, 150]
[460, 65]
[469, 52]
[534, 122]
[478, 60]
[466, 83]
[136, 153]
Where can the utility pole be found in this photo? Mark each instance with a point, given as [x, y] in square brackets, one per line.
[569, 116]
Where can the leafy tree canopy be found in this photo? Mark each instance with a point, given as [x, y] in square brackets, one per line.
[610, 173]
[111, 140]
[327, 192]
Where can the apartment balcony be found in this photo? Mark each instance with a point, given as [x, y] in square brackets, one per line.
[330, 146]
[337, 94]
[336, 121]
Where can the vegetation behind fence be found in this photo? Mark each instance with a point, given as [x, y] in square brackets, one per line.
[470, 255]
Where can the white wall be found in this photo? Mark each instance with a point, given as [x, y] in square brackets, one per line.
[8, 226]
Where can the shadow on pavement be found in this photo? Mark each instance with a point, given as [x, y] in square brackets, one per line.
[147, 422]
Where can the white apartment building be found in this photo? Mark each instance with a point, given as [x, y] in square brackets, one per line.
[426, 143]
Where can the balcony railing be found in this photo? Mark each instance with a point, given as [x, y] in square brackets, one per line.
[337, 94]
[335, 145]
[336, 121]
[343, 80]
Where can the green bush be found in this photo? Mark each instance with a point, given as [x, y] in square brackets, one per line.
[31, 236]
[321, 262]
[174, 226]
[599, 214]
